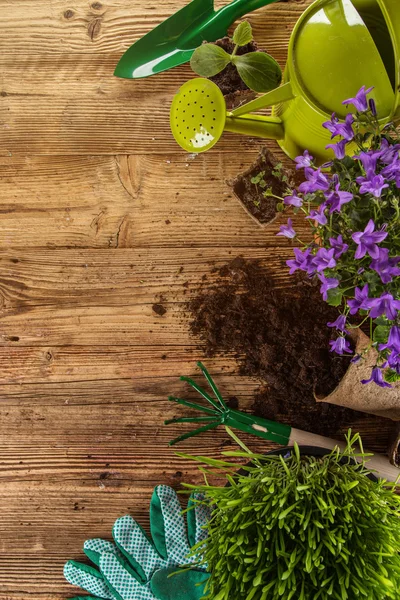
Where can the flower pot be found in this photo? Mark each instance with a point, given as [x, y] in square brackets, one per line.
[250, 196]
[369, 398]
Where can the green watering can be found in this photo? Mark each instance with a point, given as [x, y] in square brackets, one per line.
[337, 46]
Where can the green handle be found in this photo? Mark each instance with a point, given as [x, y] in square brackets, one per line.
[223, 415]
[263, 428]
[238, 8]
[256, 126]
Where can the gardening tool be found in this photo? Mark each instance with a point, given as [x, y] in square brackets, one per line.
[135, 567]
[218, 413]
[336, 47]
[173, 42]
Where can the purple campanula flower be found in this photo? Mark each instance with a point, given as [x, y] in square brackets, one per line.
[356, 359]
[393, 340]
[367, 240]
[339, 246]
[368, 161]
[303, 161]
[339, 149]
[376, 377]
[302, 260]
[386, 267]
[372, 184]
[287, 230]
[340, 346]
[361, 300]
[337, 198]
[293, 200]
[316, 181]
[339, 324]
[318, 215]
[360, 101]
[392, 170]
[343, 129]
[385, 305]
[328, 283]
[394, 361]
[388, 152]
[372, 107]
[324, 259]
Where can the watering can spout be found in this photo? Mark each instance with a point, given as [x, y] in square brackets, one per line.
[255, 126]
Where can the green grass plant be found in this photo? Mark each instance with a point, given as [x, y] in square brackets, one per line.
[300, 527]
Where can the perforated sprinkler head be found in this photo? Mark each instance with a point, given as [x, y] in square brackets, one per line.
[198, 115]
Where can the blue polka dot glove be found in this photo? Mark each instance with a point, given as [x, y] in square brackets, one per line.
[137, 568]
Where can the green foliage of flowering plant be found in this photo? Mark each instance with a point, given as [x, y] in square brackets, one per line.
[259, 71]
[352, 205]
[301, 527]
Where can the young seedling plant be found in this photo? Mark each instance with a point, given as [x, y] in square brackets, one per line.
[260, 183]
[259, 71]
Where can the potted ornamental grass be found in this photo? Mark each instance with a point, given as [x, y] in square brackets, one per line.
[302, 524]
[352, 206]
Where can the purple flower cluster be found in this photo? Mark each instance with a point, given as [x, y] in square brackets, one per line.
[353, 207]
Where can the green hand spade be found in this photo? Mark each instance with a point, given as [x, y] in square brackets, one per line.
[173, 42]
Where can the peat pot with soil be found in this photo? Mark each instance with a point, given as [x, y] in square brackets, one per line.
[299, 523]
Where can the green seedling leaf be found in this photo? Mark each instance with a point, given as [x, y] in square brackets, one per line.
[381, 334]
[335, 297]
[259, 71]
[209, 60]
[391, 376]
[243, 34]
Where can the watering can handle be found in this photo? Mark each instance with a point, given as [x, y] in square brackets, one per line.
[238, 8]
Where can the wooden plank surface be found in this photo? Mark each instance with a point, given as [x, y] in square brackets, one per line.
[67, 100]
[101, 215]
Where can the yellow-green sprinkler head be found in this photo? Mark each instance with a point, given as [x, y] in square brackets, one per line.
[198, 115]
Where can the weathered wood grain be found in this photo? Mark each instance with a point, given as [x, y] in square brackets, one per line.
[104, 298]
[69, 102]
[104, 27]
[127, 201]
[102, 215]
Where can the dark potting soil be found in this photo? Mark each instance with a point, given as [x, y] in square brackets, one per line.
[266, 175]
[279, 336]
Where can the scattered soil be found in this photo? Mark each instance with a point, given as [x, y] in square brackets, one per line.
[275, 178]
[279, 336]
[159, 309]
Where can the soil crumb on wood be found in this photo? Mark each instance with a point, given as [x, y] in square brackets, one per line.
[254, 188]
[279, 336]
[159, 309]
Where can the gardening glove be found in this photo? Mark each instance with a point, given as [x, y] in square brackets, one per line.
[136, 568]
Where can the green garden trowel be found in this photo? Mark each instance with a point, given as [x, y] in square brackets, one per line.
[173, 42]
[337, 46]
